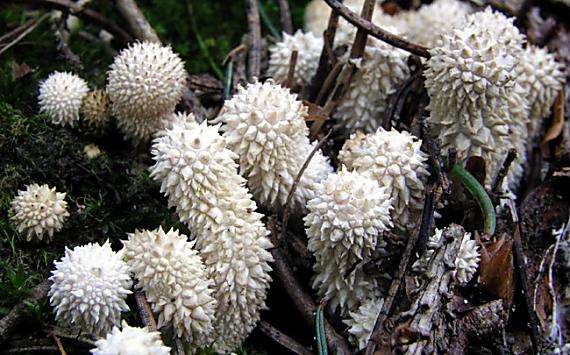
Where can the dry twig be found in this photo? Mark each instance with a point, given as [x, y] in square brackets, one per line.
[145, 311]
[283, 339]
[136, 21]
[20, 33]
[254, 67]
[285, 16]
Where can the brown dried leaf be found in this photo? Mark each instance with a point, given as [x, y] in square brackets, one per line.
[496, 272]
[316, 112]
[557, 126]
[19, 70]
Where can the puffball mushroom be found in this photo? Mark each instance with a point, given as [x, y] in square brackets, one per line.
[469, 78]
[96, 110]
[309, 50]
[39, 210]
[344, 223]
[361, 322]
[145, 82]
[264, 124]
[199, 176]
[60, 97]
[89, 287]
[425, 25]
[467, 261]
[174, 279]
[130, 341]
[380, 69]
[395, 160]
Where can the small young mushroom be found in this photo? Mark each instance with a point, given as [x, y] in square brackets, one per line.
[89, 287]
[174, 279]
[344, 223]
[467, 261]
[130, 341]
[199, 175]
[145, 83]
[361, 322]
[39, 210]
[60, 97]
[96, 111]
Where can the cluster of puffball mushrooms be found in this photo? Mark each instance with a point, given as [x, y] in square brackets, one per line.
[489, 92]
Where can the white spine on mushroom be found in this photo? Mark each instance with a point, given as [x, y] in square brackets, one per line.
[467, 260]
[308, 49]
[265, 125]
[431, 21]
[39, 210]
[199, 176]
[60, 97]
[541, 78]
[362, 321]
[469, 78]
[145, 83]
[344, 222]
[174, 279]
[89, 288]
[395, 160]
[380, 69]
[130, 341]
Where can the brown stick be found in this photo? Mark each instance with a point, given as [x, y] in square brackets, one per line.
[302, 300]
[285, 16]
[376, 31]
[511, 155]
[59, 345]
[21, 32]
[121, 35]
[283, 339]
[290, 81]
[254, 67]
[136, 21]
[145, 311]
[15, 317]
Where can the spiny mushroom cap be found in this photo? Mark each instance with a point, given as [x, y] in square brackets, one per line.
[145, 83]
[380, 69]
[361, 322]
[174, 279]
[130, 341]
[345, 219]
[89, 288]
[39, 210]
[96, 110]
[199, 176]
[502, 27]
[265, 125]
[542, 78]
[467, 260]
[308, 48]
[431, 21]
[395, 160]
[60, 97]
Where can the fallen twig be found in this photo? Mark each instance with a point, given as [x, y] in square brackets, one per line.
[285, 16]
[286, 207]
[376, 31]
[283, 339]
[15, 317]
[145, 311]
[254, 65]
[302, 300]
[136, 21]
[59, 345]
[503, 171]
[21, 32]
[290, 81]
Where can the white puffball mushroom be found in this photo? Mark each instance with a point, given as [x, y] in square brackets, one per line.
[39, 210]
[89, 287]
[60, 97]
[199, 175]
[174, 279]
[344, 223]
[308, 49]
[380, 69]
[264, 124]
[130, 341]
[467, 260]
[145, 82]
[395, 160]
[361, 322]
[425, 25]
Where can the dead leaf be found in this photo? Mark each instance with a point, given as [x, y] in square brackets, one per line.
[496, 272]
[557, 126]
[391, 8]
[316, 112]
[19, 70]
